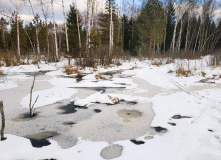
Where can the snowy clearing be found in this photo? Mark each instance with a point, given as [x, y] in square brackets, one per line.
[136, 111]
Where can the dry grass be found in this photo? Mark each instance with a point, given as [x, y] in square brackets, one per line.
[157, 63]
[98, 76]
[170, 71]
[34, 62]
[169, 61]
[1, 72]
[119, 64]
[11, 62]
[69, 70]
[132, 68]
[203, 74]
[95, 68]
[182, 72]
[115, 100]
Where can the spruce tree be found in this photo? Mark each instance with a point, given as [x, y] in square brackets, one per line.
[23, 37]
[73, 29]
[170, 24]
[151, 26]
[104, 24]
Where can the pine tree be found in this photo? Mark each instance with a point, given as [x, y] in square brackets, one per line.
[23, 38]
[73, 29]
[151, 26]
[104, 24]
[3, 43]
[126, 33]
[170, 25]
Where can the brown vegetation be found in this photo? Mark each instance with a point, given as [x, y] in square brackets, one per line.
[203, 74]
[34, 62]
[115, 100]
[157, 63]
[170, 71]
[182, 72]
[71, 70]
[99, 76]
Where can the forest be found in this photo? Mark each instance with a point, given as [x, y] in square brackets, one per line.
[147, 28]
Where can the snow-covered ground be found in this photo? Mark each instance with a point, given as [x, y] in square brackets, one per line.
[147, 110]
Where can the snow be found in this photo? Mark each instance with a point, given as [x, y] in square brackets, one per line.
[107, 99]
[48, 96]
[195, 138]
[94, 98]
[20, 148]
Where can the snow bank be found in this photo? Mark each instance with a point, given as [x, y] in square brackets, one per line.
[96, 98]
[15, 147]
[48, 96]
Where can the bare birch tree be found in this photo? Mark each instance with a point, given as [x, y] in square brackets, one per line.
[36, 28]
[111, 29]
[54, 30]
[88, 26]
[79, 33]
[45, 12]
[65, 27]
[18, 36]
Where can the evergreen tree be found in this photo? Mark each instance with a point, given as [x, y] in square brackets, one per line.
[42, 36]
[23, 37]
[126, 33]
[30, 30]
[73, 29]
[3, 24]
[170, 24]
[104, 23]
[151, 26]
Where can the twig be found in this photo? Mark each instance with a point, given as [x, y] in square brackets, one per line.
[30, 104]
[197, 117]
[33, 105]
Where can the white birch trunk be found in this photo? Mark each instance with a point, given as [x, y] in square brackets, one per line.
[65, 26]
[187, 35]
[18, 39]
[37, 30]
[174, 35]
[180, 35]
[79, 34]
[55, 35]
[111, 30]
[88, 26]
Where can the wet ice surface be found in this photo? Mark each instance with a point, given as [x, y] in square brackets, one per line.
[99, 122]
[129, 121]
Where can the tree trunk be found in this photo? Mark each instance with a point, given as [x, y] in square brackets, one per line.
[3, 121]
[30, 40]
[37, 30]
[18, 39]
[88, 26]
[196, 40]
[180, 35]
[111, 31]
[55, 34]
[79, 36]
[187, 35]
[174, 36]
[65, 26]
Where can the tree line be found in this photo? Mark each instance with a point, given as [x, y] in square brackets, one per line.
[144, 28]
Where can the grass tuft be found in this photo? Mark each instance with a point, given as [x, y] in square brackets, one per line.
[182, 72]
[99, 76]
[69, 70]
